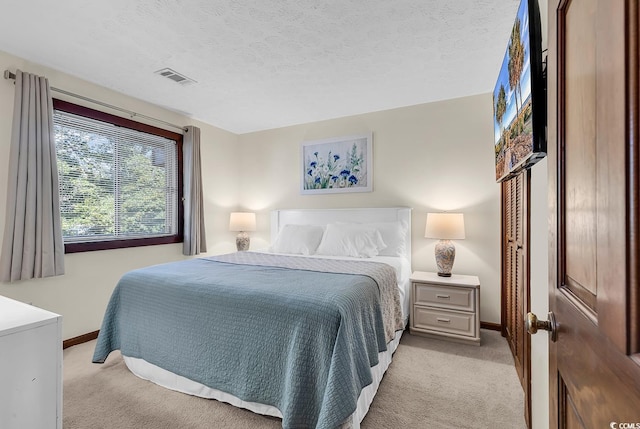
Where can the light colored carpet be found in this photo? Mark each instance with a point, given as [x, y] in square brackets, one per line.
[430, 384]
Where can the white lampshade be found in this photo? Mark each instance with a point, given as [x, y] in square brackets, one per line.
[445, 226]
[242, 221]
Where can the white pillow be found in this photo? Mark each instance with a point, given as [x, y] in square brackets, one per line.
[394, 235]
[298, 239]
[350, 240]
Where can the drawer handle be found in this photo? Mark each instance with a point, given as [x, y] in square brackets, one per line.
[441, 296]
[442, 320]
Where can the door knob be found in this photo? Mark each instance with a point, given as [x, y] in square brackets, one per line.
[532, 324]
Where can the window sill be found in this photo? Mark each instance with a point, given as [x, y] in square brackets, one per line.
[90, 246]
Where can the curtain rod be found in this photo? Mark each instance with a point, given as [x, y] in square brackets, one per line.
[9, 75]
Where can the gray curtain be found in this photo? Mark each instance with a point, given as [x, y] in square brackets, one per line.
[194, 233]
[32, 244]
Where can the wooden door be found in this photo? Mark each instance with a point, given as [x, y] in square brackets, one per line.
[515, 277]
[594, 367]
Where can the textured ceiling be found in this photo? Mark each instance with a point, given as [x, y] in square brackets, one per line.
[262, 64]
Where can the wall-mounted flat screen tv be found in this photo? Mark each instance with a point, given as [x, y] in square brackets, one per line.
[519, 97]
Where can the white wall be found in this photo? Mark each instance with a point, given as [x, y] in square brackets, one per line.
[430, 157]
[80, 296]
[539, 267]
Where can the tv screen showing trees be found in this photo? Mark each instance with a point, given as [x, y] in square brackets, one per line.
[518, 97]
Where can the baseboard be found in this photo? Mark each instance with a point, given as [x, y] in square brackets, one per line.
[93, 335]
[80, 339]
[491, 326]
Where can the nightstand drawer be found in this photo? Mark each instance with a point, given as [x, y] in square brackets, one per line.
[444, 297]
[444, 321]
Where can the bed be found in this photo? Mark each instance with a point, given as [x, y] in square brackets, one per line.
[303, 331]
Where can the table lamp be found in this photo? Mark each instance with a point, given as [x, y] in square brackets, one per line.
[445, 227]
[242, 222]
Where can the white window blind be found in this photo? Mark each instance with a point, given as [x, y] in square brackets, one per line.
[115, 183]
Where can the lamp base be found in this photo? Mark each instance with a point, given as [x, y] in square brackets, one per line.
[242, 241]
[445, 255]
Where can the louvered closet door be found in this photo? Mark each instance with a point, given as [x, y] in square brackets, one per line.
[515, 289]
[519, 274]
[508, 258]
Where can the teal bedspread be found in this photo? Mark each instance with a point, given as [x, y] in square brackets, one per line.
[298, 339]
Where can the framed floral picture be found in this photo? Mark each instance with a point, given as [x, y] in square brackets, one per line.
[340, 164]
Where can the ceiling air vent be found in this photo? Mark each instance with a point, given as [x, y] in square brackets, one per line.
[175, 76]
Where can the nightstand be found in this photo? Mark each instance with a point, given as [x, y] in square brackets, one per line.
[445, 307]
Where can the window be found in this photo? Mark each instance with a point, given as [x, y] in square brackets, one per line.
[120, 180]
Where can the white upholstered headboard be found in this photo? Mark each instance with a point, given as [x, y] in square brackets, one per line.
[280, 218]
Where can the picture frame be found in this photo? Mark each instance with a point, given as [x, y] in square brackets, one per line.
[336, 165]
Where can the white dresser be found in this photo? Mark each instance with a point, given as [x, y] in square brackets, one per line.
[30, 367]
[445, 307]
